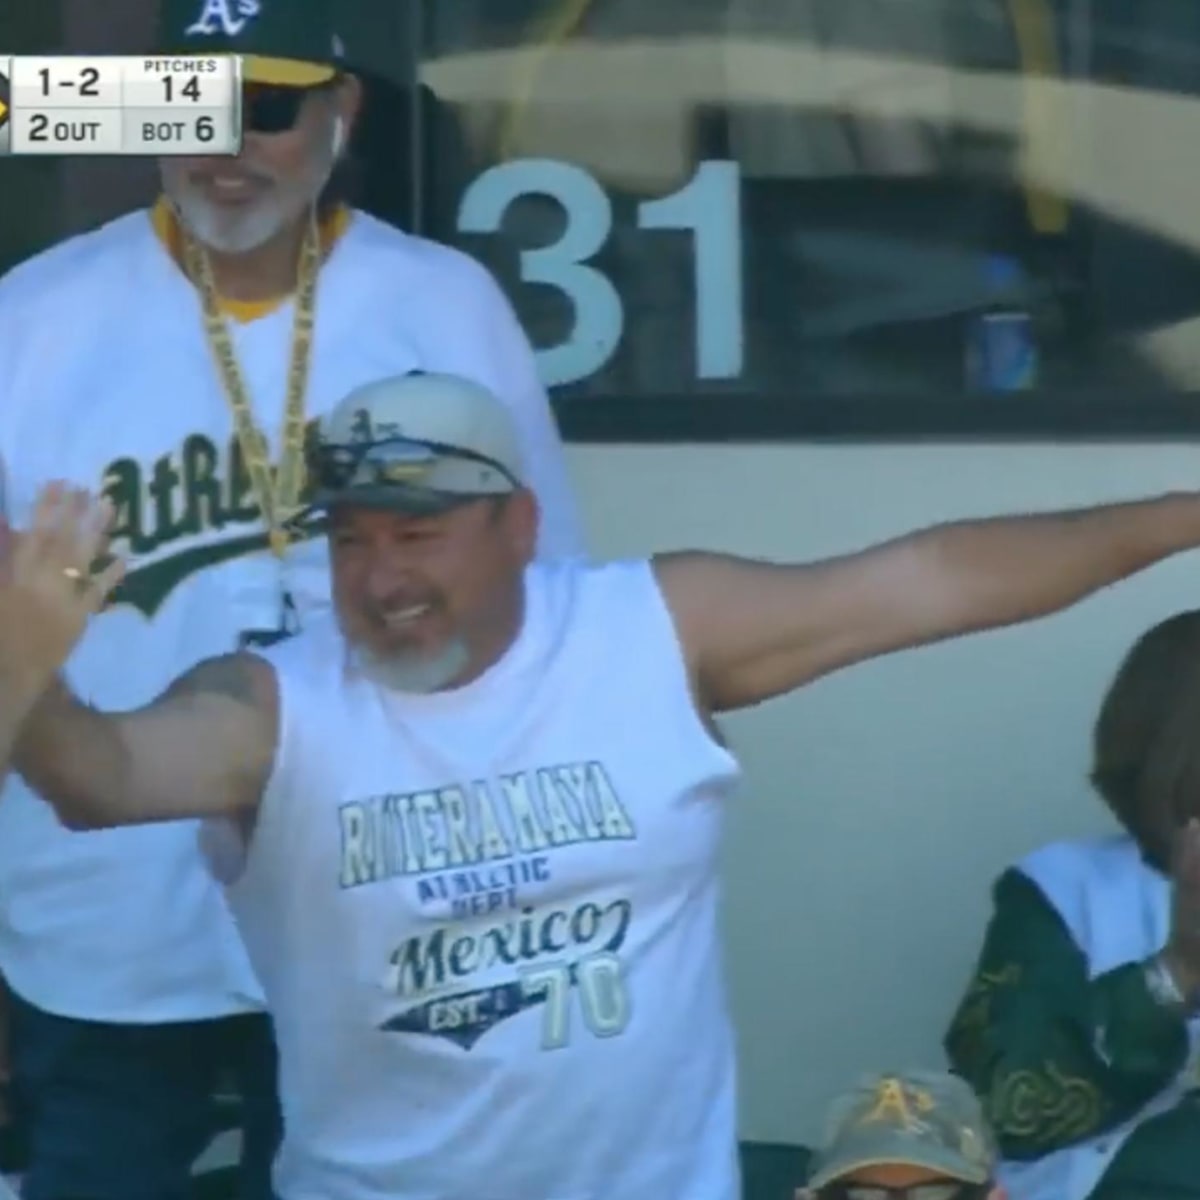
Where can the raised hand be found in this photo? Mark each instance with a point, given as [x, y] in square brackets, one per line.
[48, 588]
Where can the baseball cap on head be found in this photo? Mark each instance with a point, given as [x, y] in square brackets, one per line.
[925, 1119]
[417, 443]
[289, 43]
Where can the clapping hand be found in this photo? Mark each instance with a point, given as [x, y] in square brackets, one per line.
[48, 588]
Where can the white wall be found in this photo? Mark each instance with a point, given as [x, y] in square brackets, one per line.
[880, 803]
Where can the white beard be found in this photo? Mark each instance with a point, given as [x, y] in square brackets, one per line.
[417, 674]
[241, 230]
[231, 234]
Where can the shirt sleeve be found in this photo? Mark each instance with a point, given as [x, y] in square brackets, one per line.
[509, 369]
[1058, 1058]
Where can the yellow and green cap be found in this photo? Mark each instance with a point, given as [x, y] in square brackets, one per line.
[926, 1119]
[293, 43]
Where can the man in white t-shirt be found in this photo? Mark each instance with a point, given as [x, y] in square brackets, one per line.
[485, 799]
[175, 358]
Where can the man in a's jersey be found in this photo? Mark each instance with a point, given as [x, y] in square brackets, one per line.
[175, 358]
[486, 798]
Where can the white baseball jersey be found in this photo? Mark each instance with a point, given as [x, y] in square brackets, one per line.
[486, 919]
[106, 379]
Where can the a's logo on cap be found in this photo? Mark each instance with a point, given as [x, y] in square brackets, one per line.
[229, 17]
[894, 1104]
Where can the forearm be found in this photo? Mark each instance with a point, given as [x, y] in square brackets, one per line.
[76, 759]
[17, 702]
[1009, 569]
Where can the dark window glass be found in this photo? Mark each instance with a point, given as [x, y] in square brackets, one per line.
[838, 216]
[723, 218]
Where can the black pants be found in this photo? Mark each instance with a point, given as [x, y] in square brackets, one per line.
[121, 1112]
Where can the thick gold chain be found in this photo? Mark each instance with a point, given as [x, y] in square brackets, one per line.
[277, 490]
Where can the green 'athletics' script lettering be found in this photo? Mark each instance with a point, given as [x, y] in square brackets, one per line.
[198, 488]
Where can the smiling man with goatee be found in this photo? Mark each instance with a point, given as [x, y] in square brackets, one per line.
[176, 359]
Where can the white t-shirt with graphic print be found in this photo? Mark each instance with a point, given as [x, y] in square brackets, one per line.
[486, 920]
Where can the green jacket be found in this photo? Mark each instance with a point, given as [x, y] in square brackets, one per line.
[1060, 1059]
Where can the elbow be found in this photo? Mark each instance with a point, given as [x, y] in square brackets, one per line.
[80, 807]
[80, 813]
[81, 818]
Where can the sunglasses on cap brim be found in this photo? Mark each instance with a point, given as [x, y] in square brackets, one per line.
[335, 467]
[276, 107]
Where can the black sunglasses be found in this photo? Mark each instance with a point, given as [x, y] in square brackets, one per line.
[948, 1190]
[335, 467]
[276, 107]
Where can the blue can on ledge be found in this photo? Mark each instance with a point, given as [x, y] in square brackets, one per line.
[1001, 347]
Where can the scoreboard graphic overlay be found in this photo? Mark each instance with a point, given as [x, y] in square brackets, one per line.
[118, 106]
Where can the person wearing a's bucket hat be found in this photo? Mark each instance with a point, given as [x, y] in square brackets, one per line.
[911, 1135]
[196, 343]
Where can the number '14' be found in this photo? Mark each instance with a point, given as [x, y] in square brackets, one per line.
[190, 90]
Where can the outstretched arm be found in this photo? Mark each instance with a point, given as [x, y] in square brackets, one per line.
[205, 748]
[754, 630]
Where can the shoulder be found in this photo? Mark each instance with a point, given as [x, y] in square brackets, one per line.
[1023, 927]
[1078, 861]
[598, 583]
[77, 265]
[687, 573]
[1015, 895]
[314, 650]
[698, 586]
[244, 677]
[599, 594]
[618, 599]
[407, 257]
[1091, 881]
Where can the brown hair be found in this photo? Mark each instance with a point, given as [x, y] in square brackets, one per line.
[1146, 741]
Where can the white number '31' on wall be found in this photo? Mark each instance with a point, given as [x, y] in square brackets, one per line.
[708, 206]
